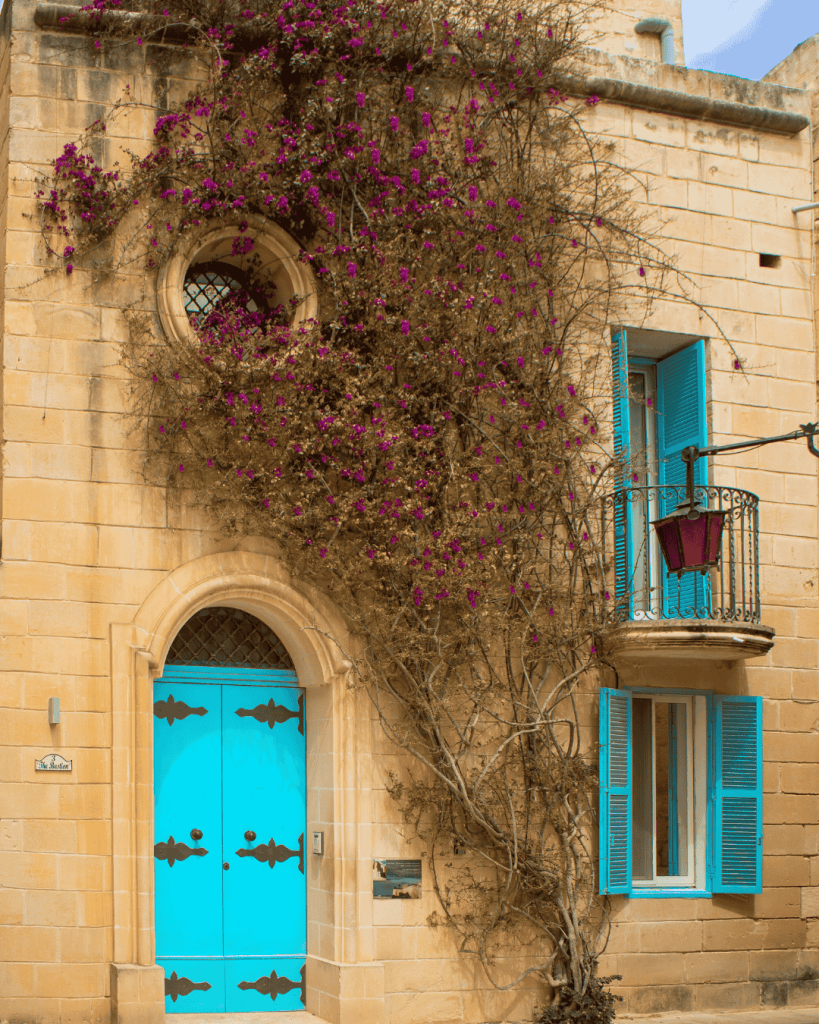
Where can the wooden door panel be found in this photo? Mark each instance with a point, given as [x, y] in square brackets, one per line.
[264, 795]
[270, 984]
[187, 793]
[193, 986]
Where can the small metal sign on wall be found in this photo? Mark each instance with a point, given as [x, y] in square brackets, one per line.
[397, 879]
[53, 763]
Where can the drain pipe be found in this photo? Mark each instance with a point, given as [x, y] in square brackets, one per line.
[663, 28]
[808, 206]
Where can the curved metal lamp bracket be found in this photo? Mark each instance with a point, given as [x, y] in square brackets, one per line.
[690, 455]
[811, 430]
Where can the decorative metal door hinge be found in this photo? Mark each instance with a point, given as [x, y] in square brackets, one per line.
[274, 986]
[270, 854]
[176, 986]
[173, 851]
[274, 714]
[175, 710]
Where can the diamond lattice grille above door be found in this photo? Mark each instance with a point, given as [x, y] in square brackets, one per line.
[228, 638]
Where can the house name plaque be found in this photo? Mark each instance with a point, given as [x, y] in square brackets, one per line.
[53, 763]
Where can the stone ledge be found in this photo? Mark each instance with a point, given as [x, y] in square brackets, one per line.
[705, 108]
[700, 638]
[69, 18]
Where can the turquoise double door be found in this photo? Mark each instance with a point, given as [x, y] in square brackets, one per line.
[229, 853]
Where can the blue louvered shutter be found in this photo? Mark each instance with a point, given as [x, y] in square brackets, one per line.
[681, 422]
[737, 739]
[622, 449]
[615, 791]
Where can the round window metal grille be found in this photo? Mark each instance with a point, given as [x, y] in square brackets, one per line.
[228, 638]
[207, 284]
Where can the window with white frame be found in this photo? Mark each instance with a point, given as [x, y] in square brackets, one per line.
[680, 793]
[669, 793]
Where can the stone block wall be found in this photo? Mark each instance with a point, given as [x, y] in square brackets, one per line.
[724, 194]
[94, 559]
[800, 70]
[84, 540]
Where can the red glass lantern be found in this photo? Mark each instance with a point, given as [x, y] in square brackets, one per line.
[691, 538]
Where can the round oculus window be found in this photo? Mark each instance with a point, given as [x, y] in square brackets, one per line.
[206, 276]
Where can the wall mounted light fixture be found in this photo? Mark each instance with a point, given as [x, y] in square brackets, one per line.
[691, 537]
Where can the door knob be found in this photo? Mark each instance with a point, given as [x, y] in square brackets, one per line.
[250, 836]
[196, 834]
[226, 866]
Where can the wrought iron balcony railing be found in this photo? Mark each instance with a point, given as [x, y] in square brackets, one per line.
[646, 591]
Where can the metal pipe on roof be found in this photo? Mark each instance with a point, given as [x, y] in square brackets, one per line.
[663, 28]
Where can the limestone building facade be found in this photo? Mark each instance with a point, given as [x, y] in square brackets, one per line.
[100, 573]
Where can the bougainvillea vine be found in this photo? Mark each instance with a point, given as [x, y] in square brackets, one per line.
[424, 433]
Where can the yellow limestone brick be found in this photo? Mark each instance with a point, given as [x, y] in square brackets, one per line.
[413, 976]
[71, 980]
[682, 163]
[784, 934]
[85, 945]
[716, 200]
[719, 140]
[730, 966]
[802, 778]
[28, 944]
[649, 969]
[63, 618]
[726, 997]
[50, 836]
[732, 934]
[670, 937]
[785, 871]
[791, 333]
[17, 978]
[722, 170]
[755, 206]
[52, 908]
[95, 909]
[11, 906]
[76, 693]
[88, 801]
[658, 129]
[427, 1006]
[13, 618]
[777, 903]
[796, 302]
[791, 182]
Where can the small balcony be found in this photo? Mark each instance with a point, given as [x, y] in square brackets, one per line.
[715, 615]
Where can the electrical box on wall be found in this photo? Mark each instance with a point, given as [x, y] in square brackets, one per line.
[318, 842]
[53, 710]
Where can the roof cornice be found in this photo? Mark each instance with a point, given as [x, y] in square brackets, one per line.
[705, 108]
[57, 17]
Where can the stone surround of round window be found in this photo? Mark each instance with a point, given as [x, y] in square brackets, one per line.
[209, 265]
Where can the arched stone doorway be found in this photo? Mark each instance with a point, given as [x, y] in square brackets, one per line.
[340, 962]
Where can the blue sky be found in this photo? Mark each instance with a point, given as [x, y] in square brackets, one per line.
[745, 37]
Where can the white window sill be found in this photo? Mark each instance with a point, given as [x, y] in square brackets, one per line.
[666, 894]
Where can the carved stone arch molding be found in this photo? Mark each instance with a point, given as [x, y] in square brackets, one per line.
[276, 257]
[339, 920]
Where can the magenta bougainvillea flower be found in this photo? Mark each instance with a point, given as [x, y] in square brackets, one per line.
[439, 306]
